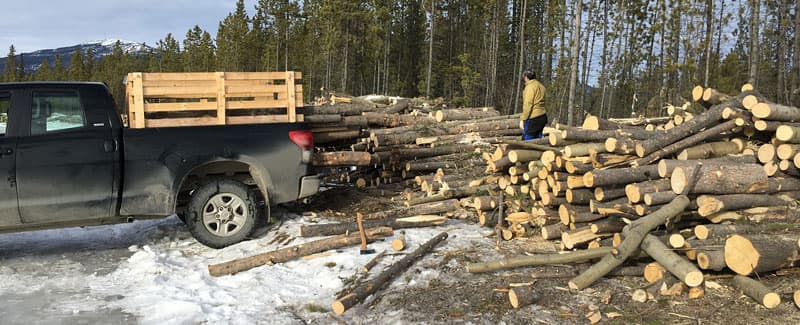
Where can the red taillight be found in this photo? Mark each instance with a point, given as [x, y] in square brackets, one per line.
[302, 138]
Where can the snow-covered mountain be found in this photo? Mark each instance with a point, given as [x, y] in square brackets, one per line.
[100, 48]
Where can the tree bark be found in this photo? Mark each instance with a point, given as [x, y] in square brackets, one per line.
[746, 255]
[366, 289]
[658, 198]
[635, 192]
[720, 179]
[617, 176]
[667, 166]
[341, 158]
[682, 131]
[684, 143]
[423, 209]
[754, 289]
[678, 266]
[633, 238]
[522, 296]
[290, 253]
[538, 259]
[712, 150]
[776, 112]
[711, 259]
[465, 114]
[711, 204]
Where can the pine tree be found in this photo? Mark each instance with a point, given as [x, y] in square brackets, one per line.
[232, 51]
[59, 72]
[89, 64]
[43, 73]
[169, 55]
[10, 74]
[76, 69]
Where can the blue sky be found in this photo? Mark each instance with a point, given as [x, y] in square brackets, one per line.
[41, 24]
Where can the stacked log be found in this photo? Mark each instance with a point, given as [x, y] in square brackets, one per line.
[735, 159]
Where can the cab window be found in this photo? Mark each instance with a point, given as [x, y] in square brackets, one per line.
[54, 111]
[5, 103]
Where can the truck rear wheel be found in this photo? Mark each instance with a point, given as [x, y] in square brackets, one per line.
[222, 213]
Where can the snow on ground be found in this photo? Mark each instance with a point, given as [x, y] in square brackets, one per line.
[154, 272]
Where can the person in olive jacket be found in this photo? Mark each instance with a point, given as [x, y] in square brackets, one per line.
[533, 117]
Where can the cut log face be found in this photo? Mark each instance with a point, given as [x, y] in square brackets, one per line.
[776, 112]
[787, 133]
[748, 255]
[620, 176]
[635, 192]
[523, 296]
[711, 260]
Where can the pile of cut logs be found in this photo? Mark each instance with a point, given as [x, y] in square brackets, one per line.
[695, 192]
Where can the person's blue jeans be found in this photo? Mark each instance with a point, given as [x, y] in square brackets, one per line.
[532, 128]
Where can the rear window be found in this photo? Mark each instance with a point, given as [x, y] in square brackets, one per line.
[56, 111]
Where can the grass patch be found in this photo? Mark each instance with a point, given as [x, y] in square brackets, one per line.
[314, 308]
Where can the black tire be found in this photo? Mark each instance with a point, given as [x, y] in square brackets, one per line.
[222, 213]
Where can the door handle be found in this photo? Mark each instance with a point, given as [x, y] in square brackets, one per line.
[110, 145]
[6, 151]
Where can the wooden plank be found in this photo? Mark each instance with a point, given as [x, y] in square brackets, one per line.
[257, 119]
[129, 98]
[171, 122]
[221, 100]
[180, 107]
[261, 75]
[291, 109]
[138, 102]
[155, 76]
[210, 83]
[257, 104]
[181, 92]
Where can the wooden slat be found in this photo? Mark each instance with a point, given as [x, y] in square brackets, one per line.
[221, 100]
[154, 76]
[138, 102]
[181, 92]
[290, 111]
[258, 119]
[173, 107]
[209, 83]
[260, 75]
[257, 104]
[191, 121]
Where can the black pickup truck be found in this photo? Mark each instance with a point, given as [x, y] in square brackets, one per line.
[67, 161]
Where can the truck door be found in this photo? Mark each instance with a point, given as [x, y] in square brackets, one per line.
[65, 166]
[9, 210]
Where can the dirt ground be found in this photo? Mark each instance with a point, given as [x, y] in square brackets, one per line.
[456, 296]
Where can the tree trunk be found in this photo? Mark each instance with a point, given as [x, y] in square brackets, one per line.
[709, 204]
[712, 150]
[658, 198]
[576, 51]
[523, 295]
[328, 137]
[539, 259]
[341, 158]
[331, 229]
[633, 238]
[465, 114]
[755, 59]
[635, 192]
[617, 176]
[582, 149]
[366, 289]
[678, 266]
[423, 209]
[667, 166]
[754, 289]
[719, 179]
[607, 226]
[682, 131]
[685, 142]
[776, 112]
[711, 259]
[759, 254]
[605, 194]
[289, 253]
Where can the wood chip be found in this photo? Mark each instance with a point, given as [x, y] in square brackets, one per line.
[594, 317]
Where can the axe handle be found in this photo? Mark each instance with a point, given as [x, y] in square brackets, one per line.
[359, 220]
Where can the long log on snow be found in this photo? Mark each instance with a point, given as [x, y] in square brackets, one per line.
[331, 229]
[289, 253]
[422, 209]
[366, 289]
